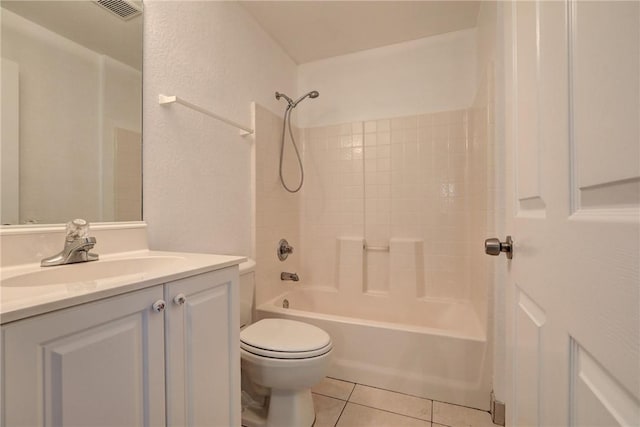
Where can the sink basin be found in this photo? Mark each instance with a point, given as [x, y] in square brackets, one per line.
[94, 271]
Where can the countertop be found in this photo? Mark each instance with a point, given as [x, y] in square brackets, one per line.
[18, 302]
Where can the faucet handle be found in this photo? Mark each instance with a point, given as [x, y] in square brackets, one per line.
[77, 229]
[284, 249]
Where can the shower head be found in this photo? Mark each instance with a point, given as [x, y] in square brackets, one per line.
[292, 104]
[312, 94]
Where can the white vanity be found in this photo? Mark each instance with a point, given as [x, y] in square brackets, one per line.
[137, 338]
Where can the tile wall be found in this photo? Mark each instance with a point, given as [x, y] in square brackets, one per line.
[484, 189]
[415, 190]
[332, 198]
[277, 212]
[400, 180]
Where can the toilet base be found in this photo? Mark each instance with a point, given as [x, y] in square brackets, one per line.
[254, 417]
[287, 408]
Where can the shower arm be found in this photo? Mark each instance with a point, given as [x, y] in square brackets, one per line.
[289, 100]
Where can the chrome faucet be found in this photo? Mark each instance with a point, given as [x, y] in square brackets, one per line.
[77, 245]
[289, 276]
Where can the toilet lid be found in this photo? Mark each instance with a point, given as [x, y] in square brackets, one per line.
[283, 338]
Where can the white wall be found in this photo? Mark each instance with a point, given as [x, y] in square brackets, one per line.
[422, 76]
[197, 171]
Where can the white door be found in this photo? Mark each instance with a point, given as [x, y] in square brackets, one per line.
[573, 209]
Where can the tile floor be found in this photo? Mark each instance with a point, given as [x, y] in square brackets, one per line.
[344, 404]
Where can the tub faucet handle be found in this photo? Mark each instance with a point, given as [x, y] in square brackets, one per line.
[284, 249]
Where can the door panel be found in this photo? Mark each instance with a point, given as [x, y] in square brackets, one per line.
[604, 112]
[597, 399]
[98, 364]
[203, 351]
[573, 285]
[530, 200]
[530, 320]
[69, 374]
[207, 314]
[605, 91]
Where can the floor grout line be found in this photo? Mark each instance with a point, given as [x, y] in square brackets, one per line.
[397, 392]
[460, 406]
[431, 412]
[352, 390]
[410, 395]
[326, 395]
[345, 402]
[390, 412]
[433, 401]
[340, 416]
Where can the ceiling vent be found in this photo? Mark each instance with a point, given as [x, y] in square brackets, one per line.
[123, 9]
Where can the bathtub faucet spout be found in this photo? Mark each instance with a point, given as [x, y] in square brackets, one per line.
[289, 276]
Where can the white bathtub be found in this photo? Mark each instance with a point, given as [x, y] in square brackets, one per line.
[432, 349]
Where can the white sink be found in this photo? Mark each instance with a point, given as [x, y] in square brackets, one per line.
[28, 289]
[94, 271]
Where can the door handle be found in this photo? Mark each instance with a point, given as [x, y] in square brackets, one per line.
[495, 246]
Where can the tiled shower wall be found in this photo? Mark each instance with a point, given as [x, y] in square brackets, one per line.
[414, 190]
[277, 212]
[394, 182]
[333, 198]
[484, 190]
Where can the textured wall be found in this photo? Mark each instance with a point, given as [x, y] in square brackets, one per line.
[197, 171]
[421, 76]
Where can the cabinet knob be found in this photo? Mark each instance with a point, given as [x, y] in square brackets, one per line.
[180, 299]
[159, 306]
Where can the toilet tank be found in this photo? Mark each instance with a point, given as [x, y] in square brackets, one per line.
[247, 290]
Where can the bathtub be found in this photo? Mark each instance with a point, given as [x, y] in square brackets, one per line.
[432, 349]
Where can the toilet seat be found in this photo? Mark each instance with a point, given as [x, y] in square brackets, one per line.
[284, 339]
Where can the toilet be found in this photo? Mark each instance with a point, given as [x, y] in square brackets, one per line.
[281, 360]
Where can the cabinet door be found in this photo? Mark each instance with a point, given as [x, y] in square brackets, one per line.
[97, 364]
[203, 361]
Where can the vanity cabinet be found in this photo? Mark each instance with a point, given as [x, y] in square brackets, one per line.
[164, 355]
[203, 350]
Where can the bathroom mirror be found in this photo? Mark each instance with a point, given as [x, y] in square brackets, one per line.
[71, 111]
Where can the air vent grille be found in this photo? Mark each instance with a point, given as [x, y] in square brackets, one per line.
[122, 8]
